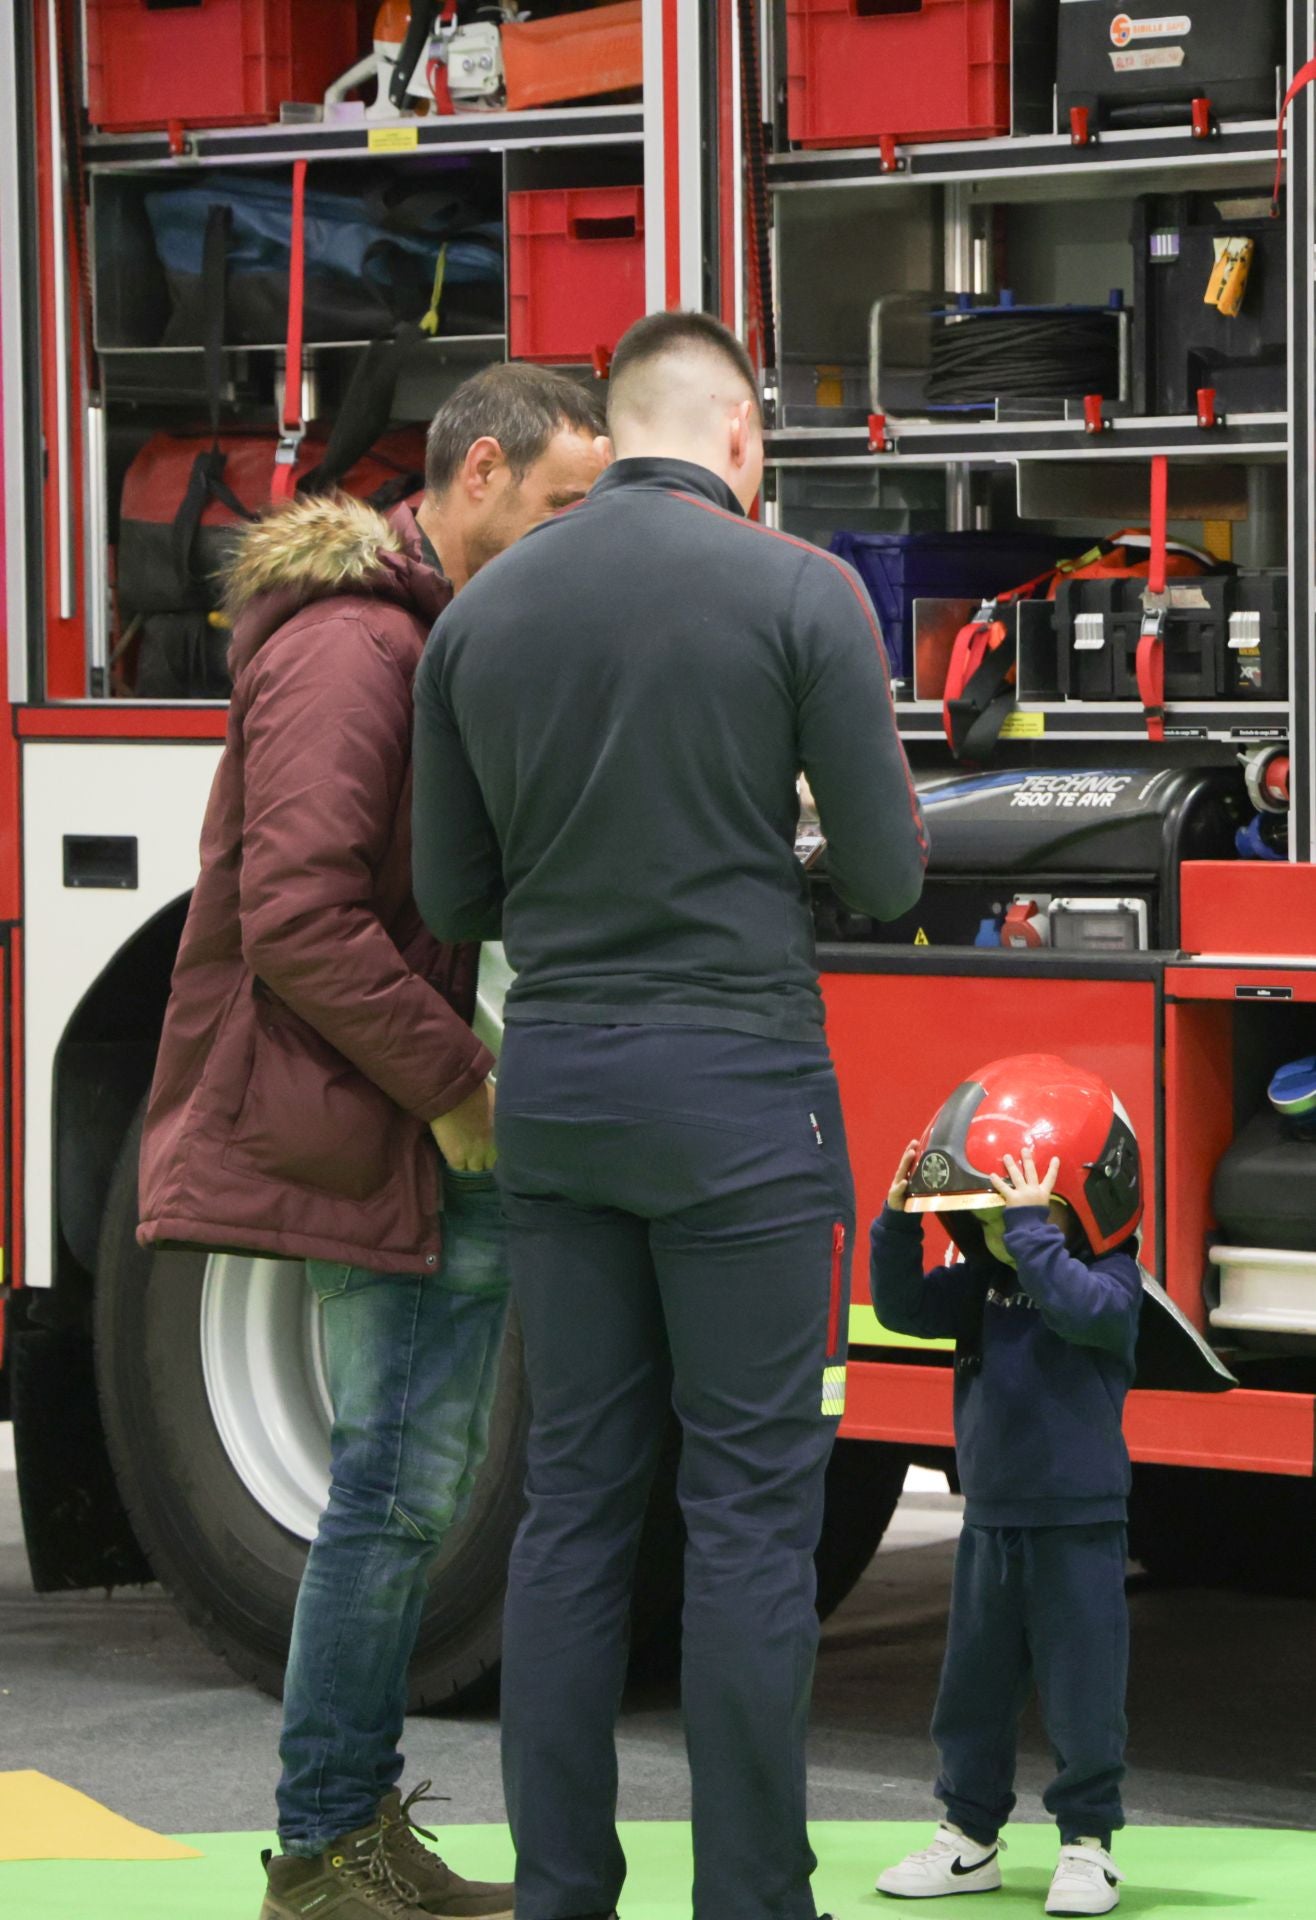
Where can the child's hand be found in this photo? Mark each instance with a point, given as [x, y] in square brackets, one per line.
[1024, 1189]
[900, 1185]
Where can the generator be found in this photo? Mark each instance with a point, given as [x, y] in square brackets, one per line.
[1085, 861]
[1145, 67]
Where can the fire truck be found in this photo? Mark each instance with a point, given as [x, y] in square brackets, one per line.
[1091, 890]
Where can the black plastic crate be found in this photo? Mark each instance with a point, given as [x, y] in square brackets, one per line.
[1226, 638]
[1145, 67]
[1180, 344]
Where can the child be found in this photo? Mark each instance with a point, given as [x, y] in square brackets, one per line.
[1044, 1313]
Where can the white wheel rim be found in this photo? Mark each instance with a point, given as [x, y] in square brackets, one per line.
[263, 1361]
[263, 1356]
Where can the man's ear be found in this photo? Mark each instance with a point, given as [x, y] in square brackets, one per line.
[740, 435]
[604, 449]
[483, 457]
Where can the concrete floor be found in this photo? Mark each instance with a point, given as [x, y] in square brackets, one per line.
[115, 1697]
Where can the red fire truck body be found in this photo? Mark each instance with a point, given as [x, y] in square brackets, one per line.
[204, 1374]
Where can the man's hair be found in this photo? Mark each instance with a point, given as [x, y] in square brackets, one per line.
[661, 334]
[520, 407]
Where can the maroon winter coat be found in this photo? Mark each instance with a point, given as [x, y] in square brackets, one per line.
[315, 1026]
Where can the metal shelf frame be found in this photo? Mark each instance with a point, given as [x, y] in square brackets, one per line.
[359, 139]
[1038, 168]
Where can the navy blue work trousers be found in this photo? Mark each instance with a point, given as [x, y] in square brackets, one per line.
[679, 1213]
[1040, 1606]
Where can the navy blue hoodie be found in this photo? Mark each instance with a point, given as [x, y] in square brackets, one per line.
[1038, 1433]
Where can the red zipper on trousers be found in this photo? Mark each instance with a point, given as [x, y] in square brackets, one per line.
[834, 1317]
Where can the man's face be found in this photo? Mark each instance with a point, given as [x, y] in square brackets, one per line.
[563, 474]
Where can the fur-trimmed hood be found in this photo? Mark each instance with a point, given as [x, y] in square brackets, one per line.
[324, 547]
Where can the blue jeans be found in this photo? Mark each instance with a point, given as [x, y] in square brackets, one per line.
[412, 1363]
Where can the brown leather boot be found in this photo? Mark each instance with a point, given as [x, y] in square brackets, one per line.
[439, 1890]
[354, 1879]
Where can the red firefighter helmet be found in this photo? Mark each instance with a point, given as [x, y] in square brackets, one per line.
[1038, 1104]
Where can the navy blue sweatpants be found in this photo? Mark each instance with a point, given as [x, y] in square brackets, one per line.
[679, 1210]
[1044, 1606]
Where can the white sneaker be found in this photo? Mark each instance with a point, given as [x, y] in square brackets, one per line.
[1086, 1881]
[952, 1864]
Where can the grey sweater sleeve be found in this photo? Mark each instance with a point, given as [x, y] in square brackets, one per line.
[456, 866]
[850, 748]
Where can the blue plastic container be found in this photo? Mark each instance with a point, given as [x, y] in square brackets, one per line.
[900, 568]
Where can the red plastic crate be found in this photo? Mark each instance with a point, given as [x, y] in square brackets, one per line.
[212, 63]
[860, 70]
[575, 271]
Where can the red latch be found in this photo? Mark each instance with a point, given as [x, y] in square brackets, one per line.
[1204, 126]
[877, 433]
[1080, 126]
[886, 143]
[1094, 413]
[177, 139]
[436, 77]
[602, 361]
[1021, 927]
[1207, 416]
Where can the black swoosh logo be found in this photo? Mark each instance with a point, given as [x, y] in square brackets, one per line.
[959, 1869]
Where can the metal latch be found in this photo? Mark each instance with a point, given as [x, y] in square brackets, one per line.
[1089, 632]
[1245, 632]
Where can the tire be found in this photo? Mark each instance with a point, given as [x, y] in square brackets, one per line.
[864, 1479]
[1204, 1527]
[232, 1569]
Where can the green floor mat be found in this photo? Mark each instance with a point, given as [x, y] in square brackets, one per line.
[1172, 1870]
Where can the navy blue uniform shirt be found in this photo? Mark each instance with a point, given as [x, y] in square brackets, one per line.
[1038, 1433]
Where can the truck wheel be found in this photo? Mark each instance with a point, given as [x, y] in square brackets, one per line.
[212, 1392]
[864, 1479]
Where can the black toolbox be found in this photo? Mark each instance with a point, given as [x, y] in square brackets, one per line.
[1180, 344]
[1144, 67]
[1226, 637]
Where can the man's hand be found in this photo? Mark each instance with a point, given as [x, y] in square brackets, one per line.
[465, 1136]
[900, 1185]
[1024, 1189]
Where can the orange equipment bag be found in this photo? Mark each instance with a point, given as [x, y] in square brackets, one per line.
[980, 686]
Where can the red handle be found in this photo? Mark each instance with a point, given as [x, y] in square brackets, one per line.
[283, 485]
[1302, 78]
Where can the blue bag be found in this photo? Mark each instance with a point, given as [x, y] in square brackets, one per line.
[371, 258]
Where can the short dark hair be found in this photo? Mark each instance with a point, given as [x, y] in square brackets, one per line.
[520, 407]
[660, 333]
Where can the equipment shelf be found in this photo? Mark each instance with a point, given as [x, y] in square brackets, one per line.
[1048, 164]
[915, 442]
[351, 139]
[1073, 721]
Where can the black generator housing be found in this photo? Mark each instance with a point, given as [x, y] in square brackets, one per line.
[1264, 1192]
[1144, 66]
[1226, 638]
[1089, 834]
[1180, 344]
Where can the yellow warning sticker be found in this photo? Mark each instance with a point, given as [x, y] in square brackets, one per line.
[393, 139]
[1024, 726]
[921, 939]
[833, 1392]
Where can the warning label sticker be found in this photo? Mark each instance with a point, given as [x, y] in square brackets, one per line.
[1147, 59]
[1125, 29]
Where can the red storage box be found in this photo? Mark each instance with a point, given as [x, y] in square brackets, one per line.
[859, 70]
[212, 63]
[575, 271]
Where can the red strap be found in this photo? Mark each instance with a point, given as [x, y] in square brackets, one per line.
[1151, 684]
[967, 655]
[1303, 78]
[284, 483]
[1160, 515]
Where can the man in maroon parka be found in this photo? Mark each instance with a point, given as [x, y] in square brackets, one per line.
[316, 1050]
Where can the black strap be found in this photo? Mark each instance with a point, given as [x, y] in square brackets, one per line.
[367, 408]
[206, 480]
[977, 716]
[418, 33]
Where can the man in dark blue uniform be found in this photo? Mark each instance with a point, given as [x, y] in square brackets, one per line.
[610, 725]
